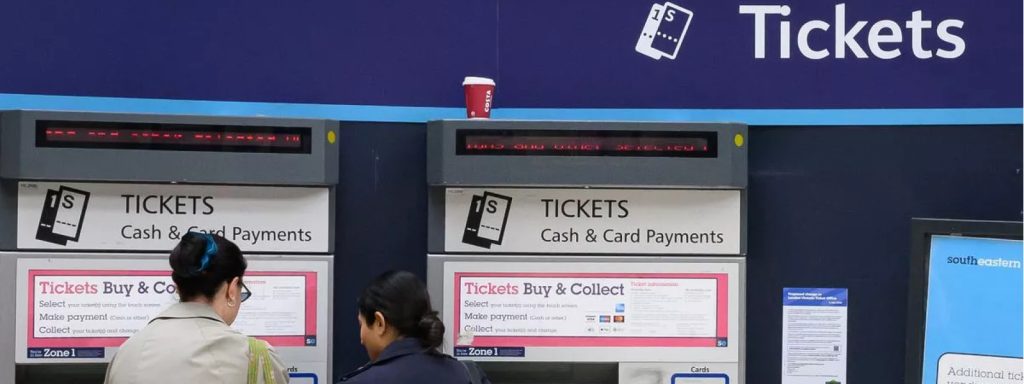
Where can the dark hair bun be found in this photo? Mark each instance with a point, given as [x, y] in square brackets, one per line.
[223, 264]
[187, 256]
[431, 330]
[405, 303]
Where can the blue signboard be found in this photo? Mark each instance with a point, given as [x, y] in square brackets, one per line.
[783, 62]
[974, 311]
[747, 54]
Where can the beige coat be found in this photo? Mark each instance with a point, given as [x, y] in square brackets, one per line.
[188, 343]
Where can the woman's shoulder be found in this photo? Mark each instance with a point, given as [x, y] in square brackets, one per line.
[202, 335]
[184, 347]
[221, 338]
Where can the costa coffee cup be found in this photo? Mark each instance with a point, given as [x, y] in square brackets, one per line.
[479, 96]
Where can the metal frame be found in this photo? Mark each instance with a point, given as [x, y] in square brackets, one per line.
[446, 169]
[22, 160]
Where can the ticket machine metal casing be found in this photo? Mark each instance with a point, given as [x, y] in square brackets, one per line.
[587, 200]
[137, 183]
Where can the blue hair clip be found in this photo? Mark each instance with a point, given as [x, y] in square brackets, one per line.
[211, 251]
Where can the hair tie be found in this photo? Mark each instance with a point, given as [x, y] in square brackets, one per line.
[211, 251]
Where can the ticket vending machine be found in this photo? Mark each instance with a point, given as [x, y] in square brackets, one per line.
[91, 204]
[590, 252]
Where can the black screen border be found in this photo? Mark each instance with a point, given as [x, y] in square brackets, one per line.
[710, 136]
[305, 134]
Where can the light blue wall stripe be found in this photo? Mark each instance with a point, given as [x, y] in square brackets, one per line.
[943, 116]
[966, 116]
[229, 108]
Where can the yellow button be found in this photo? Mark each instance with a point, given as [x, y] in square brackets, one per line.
[332, 137]
[738, 139]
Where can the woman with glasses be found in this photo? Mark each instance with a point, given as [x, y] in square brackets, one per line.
[192, 341]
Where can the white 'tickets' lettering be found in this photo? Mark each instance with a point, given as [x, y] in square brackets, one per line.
[847, 38]
[759, 12]
[884, 37]
[916, 26]
[876, 38]
[959, 45]
[801, 40]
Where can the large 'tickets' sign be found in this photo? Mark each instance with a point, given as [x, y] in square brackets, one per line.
[155, 216]
[593, 221]
[654, 54]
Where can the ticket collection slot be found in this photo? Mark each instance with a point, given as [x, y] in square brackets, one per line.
[91, 204]
[597, 252]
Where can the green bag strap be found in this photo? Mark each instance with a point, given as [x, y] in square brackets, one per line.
[259, 360]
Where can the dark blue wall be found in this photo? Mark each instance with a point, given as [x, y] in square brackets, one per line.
[381, 219]
[829, 207]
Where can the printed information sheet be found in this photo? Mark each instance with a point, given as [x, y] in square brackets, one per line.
[277, 306]
[586, 305]
[102, 308]
[814, 328]
[591, 309]
[78, 311]
[588, 310]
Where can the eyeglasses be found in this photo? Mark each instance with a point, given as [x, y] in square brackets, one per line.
[246, 293]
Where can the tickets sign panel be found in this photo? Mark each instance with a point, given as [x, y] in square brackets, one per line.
[593, 221]
[153, 217]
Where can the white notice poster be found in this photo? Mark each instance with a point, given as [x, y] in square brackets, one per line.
[814, 328]
[627, 221]
[153, 217]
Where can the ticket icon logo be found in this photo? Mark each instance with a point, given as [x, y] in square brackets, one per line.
[664, 31]
[62, 215]
[485, 224]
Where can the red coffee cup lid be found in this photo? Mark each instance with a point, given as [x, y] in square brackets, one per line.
[473, 80]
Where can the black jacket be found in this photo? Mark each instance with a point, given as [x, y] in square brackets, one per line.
[406, 361]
